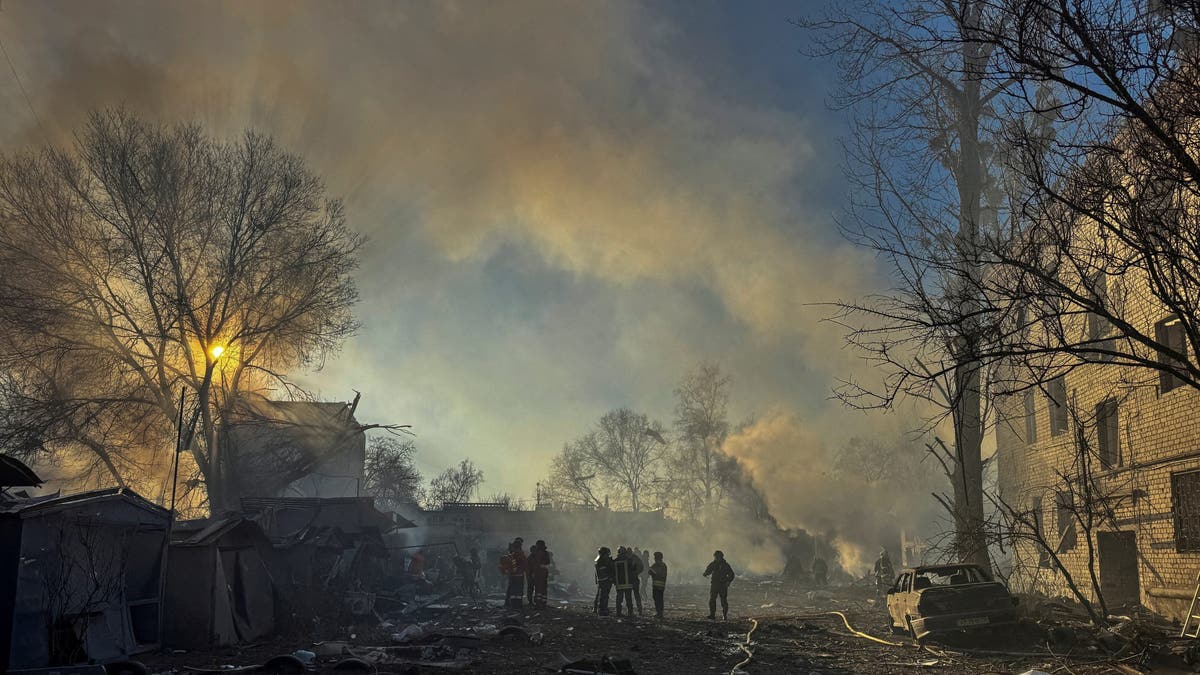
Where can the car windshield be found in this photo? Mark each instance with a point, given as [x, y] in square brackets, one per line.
[948, 576]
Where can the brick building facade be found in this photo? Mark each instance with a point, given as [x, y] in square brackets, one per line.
[1139, 432]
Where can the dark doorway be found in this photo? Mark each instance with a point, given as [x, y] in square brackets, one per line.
[1119, 568]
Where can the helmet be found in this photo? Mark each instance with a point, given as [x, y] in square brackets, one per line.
[604, 550]
[718, 554]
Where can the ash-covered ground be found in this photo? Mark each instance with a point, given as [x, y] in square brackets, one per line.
[793, 632]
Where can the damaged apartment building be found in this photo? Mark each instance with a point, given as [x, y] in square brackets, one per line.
[1107, 455]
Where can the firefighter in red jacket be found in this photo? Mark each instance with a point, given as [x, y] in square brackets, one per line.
[512, 565]
[538, 568]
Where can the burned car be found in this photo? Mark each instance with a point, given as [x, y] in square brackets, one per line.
[946, 598]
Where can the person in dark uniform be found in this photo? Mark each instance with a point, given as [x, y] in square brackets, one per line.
[658, 576]
[604, 579]
[623, 567]
[538, 570]
[721, 575]
[884, 572]
[637, 567]
[820, 572]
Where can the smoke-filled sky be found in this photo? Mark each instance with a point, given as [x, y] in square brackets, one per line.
[569, 204]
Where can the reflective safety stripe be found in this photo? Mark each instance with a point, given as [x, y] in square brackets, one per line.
[660, 584]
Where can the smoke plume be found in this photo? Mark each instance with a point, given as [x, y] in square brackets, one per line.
[793, 464]
[566, 210]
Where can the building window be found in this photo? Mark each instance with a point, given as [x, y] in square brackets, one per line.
[1108, 434]
[1185, 503]
[1056, 391]
[1030, 419]
[1098, 325]
[1169, 333]
[1065, 517]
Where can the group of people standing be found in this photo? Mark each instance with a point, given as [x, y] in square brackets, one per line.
[625, 572]
[629, 571]
[528, 574]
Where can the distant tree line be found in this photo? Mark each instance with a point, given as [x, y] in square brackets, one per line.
[629, 461]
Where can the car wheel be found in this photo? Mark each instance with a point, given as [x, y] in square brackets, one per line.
[285, 664]
[125, 668]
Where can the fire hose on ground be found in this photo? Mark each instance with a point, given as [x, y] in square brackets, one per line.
[745, 646]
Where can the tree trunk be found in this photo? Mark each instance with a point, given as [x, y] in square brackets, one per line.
[970, 530]
[970, 537]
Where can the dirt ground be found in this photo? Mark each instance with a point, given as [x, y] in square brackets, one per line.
[793, 635]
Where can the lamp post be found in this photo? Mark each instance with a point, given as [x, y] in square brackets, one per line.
[215, 352]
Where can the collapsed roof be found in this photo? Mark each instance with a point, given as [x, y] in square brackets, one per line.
[274, 443]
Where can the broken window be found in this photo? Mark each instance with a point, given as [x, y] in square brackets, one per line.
[1065, 501]
[1056, 392]
[1098, 325]
[1185, 503]
[1108, 436]
[1030, 419]
[1169, 333]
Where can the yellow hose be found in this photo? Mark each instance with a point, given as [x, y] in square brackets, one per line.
[860, 634]
[850, 628]
[745, 647]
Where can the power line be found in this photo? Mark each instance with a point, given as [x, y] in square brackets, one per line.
[24, 94]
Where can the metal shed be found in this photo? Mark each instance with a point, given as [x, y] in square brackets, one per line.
[219, 589]
[80, 577]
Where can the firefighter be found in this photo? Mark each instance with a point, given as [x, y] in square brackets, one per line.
[636, 567]
[721, 575]
[604, 580]
[512, 566]
[416, 565]
[793, 571]
[623, 574]
[658, 576]
[884, 572]
[538, 569]
[820, 572]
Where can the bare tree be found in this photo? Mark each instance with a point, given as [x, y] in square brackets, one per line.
[456, 484]
[1084, 503]
[1105, 267]
[84, 574]
[146, 260]
[573, 480]
[389, 472]
[700, 471]
[921, 167]
[617, 458]
[508, 500]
